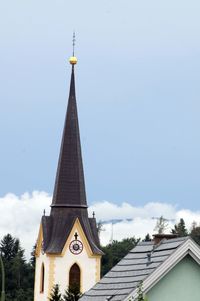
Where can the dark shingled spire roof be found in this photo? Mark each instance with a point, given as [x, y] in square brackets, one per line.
[69, 198]
[70, 187]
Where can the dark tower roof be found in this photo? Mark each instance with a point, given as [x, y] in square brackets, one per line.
[69, 188]
[69, 198]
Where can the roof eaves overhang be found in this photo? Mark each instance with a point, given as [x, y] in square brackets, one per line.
[189, 247]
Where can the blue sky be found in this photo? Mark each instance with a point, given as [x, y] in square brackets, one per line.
[138, 94]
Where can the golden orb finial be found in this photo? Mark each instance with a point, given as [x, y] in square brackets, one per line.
[73, 60]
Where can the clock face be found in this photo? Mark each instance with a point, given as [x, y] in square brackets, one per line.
[76, 247]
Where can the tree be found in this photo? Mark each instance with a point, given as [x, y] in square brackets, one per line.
[180, 229]
[8, 247]
[55, 294]
[147, 237]
[19, 278]
[32, 259]
[161, 225]
[195, 232]
[72, 294]
[100, 227]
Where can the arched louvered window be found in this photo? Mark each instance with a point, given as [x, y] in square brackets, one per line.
[75, 276]
[42, 278]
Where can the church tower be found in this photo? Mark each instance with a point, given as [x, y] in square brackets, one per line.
[67, 251]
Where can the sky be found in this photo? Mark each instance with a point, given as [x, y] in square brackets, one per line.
[137, 83]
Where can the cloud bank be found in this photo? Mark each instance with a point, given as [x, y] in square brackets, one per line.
[21, 215]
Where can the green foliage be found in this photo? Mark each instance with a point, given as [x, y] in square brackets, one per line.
[72, 294]
[147, 237]
[55, 294]
[180, 229]
[19, 275]
[195, 232]
[115, 251]
[9, 247]
[140, 295]
[32, 259]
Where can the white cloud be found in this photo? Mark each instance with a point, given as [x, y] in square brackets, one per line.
[21, 215]
[141, 218]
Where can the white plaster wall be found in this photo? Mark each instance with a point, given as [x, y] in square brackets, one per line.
[39, 261]
[87, 266]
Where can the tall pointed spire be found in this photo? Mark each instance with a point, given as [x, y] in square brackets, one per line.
[69, 188]
[69, 197]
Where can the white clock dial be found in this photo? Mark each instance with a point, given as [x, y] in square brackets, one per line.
[76, 247]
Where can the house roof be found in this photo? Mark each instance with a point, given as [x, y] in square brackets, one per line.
[69, 198]
[122, 280]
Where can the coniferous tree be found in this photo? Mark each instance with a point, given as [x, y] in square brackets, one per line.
[72, 294]
[147, 237]
[55, 294]
[18, 275]
[180, 229]
[8, 246]
[32, 259]
[195, 232]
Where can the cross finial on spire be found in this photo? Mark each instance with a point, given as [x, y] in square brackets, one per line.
[74, 41]
[73, 59]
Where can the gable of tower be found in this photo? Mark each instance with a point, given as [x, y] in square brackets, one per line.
[78, 230]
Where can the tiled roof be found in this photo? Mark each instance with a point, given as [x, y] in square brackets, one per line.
[69, 190]
[123, 278]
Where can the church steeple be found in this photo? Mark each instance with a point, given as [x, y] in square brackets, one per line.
[69, 197]
[68, 249]
[69, 188]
